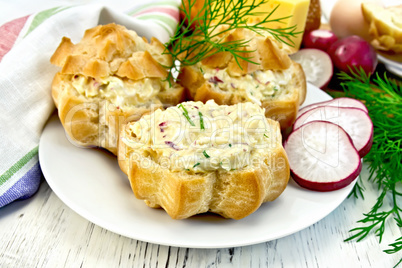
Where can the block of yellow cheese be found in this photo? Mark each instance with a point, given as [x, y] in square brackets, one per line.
[297, 9]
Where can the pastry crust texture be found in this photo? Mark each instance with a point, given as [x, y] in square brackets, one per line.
[231, 178]
[276, 83]
[110, 77]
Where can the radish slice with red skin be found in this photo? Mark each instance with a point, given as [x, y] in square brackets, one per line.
[317, 65]
[338, 102]
[354, 121]
[322, 156]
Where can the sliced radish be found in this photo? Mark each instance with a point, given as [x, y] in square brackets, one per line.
[322, 156]
[338, 102]
[317, 65]
[354, 121]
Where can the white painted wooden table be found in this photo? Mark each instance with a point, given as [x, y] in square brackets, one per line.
[44, 232]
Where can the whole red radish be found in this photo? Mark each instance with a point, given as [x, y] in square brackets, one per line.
[319, 39]
[353, 52]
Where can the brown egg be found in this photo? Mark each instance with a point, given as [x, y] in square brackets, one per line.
[347, 19]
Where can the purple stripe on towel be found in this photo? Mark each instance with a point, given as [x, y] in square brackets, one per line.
[25, 187]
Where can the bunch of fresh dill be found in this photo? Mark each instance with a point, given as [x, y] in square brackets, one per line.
[383, 99]
[200, 34]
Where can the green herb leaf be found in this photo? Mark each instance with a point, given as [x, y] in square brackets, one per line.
[205, 154]
[198, 36]
[358, 189]
[185, 113]
[201, 121]
[383, 99]
[197, 164]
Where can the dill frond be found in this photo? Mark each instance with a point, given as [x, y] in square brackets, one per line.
[200, 34]
[383, 99]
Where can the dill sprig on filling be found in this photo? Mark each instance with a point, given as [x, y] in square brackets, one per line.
[383, 99]
[185, 114]
[200, 35]
[202, 127]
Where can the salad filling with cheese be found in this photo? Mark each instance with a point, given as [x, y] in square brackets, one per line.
[198, 137]
[255, 87]
[120, 91]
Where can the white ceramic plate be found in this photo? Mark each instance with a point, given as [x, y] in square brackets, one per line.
[90, 182]
[392, 63]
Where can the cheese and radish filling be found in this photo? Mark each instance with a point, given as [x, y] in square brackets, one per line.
[255, 87]
[198, 137]
[120, 91]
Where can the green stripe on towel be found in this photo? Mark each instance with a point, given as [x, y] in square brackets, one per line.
[155, 4]
[18, 165]
[43, 15]
[169, 21]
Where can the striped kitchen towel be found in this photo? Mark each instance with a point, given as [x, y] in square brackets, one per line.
[26, 45]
